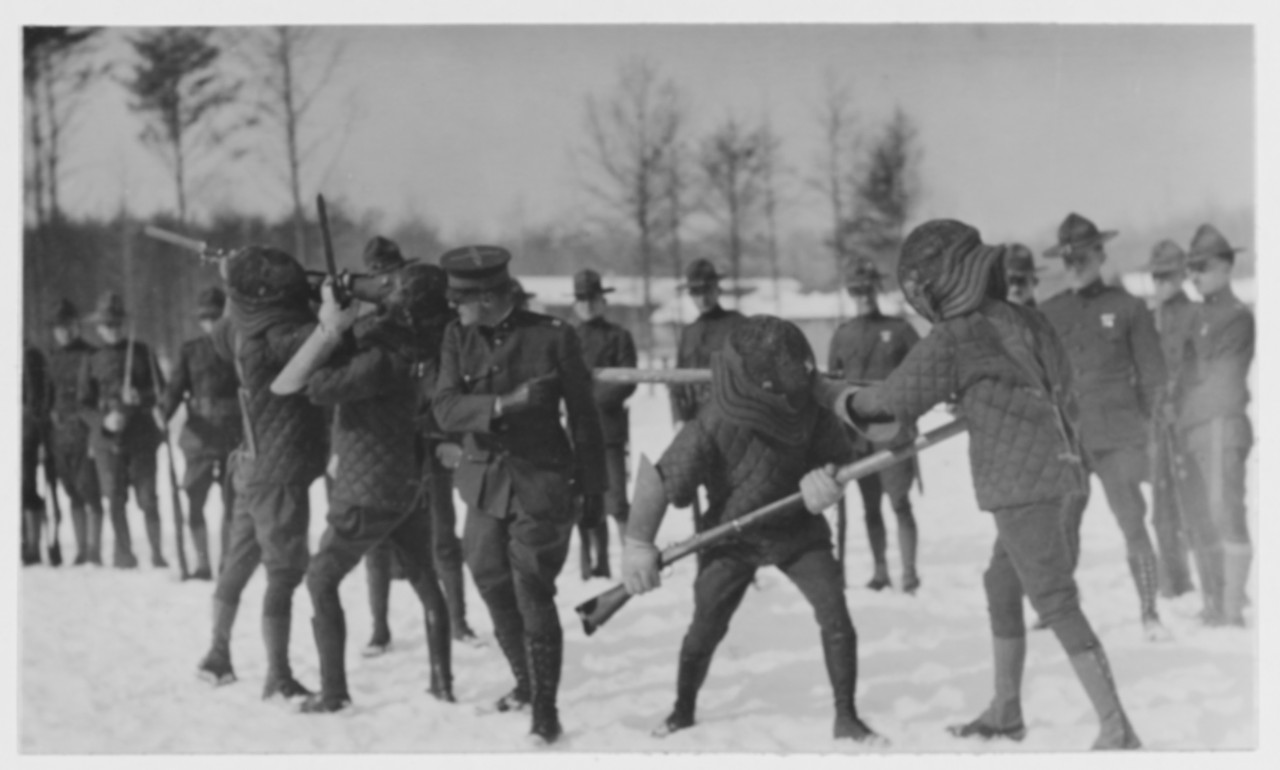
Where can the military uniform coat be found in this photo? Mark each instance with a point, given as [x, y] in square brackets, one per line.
[869, 348]
[70, 431]
[208, 384]
[1117, 361]
[1215, 374]
[606, 344]
[698, 341]
[100, 391]
[528, 454]
[1175, 320]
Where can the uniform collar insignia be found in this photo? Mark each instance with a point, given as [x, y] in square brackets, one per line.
[1109, 320]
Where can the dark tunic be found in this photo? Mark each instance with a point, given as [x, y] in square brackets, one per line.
[1116, 358]
[528, 453]
[100, 391]
[605, 345]
[698, 341]
[208, 384]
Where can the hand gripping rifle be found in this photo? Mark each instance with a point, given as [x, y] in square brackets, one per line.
[178, 517]
[596, 611]
[201, 248]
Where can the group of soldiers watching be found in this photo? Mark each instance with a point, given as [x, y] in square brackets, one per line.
[452, 384]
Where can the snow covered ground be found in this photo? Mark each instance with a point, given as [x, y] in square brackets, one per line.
[108, 657]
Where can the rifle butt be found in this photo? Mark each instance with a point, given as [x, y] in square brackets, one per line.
[597, 610]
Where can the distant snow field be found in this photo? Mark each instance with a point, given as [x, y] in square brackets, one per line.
[108, 657]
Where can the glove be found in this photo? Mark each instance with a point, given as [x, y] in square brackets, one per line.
[114, 421]
[538, 393]
[592, 511]
[820, 489]
[334, 318]
[449, 455]
[641, 566]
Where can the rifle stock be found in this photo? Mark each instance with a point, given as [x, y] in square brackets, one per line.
[201, 248]
[597, 610]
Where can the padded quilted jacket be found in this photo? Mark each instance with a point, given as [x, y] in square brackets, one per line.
[286, 440]
[370, 384]
[1018, 452]
[744, 470]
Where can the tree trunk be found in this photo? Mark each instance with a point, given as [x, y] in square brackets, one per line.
[52, 151]
[291, 144]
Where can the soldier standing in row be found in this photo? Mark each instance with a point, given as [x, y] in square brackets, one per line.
[605, 344]
[382, 260]
[869, 347]
[117, 395]
[1214, 425]
[1119, 374]
[369, 379]
[1174, 316]
[35, 415]
[503, 375]
[1020, 273]
[70, 445]
[207, 385]
[269, 317]
[1013, 380]
[698, 341]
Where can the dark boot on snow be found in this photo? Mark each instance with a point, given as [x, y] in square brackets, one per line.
[690, 675]
[546, 656]
[215, 668]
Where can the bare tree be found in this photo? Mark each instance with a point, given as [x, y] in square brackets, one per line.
[675, 202]
[57, 71]
[770, 183]
[833, 169]
[885, 192]
[292, 67]
[732, 163]
[631, 134]
[181, 93]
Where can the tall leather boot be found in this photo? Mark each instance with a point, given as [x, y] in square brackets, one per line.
[584, 551]
[1095, 675]
[200, 541]
[840, 651]
[546, 655]
[215, 668]
[94, 529]
[455, 597]
[280, 681]
[600, 536]
[877, 538]
[152, 521]
[377, 570]
[508, 629]
[439, 639]
[1209, 565]
[123, 557]
[32, 524]
[1146, 576]
[1236, 561]
[331, 646]
[80, 529]
[908, 541]
[690, 674]
[1003, 717]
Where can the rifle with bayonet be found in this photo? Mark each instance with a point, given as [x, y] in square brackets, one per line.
[627, 376]
[341, 292]
[596, 611]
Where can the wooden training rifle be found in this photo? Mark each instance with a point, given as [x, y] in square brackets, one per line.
[597, 610]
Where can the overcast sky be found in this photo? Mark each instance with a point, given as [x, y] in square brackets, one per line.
[476, 126]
